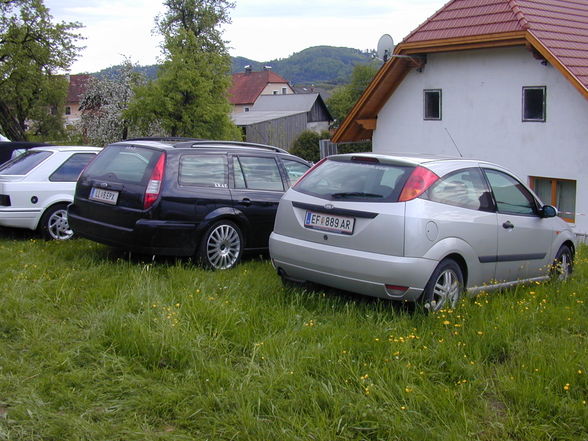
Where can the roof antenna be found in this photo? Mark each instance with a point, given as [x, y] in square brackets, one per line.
[453, 141]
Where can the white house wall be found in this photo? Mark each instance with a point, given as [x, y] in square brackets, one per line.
[482, 113]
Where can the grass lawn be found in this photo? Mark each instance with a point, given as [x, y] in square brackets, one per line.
[97, 345]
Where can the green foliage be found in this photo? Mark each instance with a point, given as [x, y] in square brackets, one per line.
[189, 97]
[307, 145]
[97, 345]
[345, 97]
[32, 51]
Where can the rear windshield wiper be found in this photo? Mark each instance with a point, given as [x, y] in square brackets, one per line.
[356, 194]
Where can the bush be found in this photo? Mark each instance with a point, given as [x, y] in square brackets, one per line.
[307, 145]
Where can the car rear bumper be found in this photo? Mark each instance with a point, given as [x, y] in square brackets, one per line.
[356, 271]
[146, 237]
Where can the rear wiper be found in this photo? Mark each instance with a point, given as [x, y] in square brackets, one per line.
[356, 194]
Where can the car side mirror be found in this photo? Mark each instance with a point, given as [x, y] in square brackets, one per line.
[548, 211]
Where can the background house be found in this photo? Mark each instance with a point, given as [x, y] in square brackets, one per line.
[248, 86]
[77, 87]
[280, 119]
[501, 80]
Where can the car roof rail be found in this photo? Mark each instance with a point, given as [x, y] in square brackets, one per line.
[231, 144]
[166, 139]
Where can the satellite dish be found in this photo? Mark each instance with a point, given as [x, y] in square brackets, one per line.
[385, 46]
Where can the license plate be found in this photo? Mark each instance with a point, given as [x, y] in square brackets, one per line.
[106, 196]
[329, 222]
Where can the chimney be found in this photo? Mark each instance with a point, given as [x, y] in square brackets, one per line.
[248, 69]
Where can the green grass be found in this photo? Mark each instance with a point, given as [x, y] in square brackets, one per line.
[95, 345]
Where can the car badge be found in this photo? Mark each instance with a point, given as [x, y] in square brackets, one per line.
[104, 184]
[329, 206]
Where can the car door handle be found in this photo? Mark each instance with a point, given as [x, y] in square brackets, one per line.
[508, 225]
[246, 202]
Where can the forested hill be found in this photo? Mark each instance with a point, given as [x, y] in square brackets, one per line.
[319, 65]
[315, 65]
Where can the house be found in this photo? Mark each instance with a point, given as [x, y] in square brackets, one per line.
[500, 80]
[248, 86]
[280, 119]
[76, 89]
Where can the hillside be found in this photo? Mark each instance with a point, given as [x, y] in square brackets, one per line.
[325, 66]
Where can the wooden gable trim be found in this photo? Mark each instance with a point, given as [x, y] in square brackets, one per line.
[465, 43]
[538, 46]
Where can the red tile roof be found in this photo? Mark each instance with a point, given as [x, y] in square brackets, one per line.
[77, 86]
[556, 30]
[247, 86]
[560, 26]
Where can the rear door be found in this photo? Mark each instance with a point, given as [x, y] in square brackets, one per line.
[112, 188]
[256, 189]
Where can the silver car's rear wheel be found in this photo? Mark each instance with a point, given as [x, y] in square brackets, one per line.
[444, 288]
[221, 246]
[54, 225]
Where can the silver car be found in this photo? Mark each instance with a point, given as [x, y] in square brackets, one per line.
[417, 228]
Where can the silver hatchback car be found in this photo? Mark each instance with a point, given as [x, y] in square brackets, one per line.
[417, 228]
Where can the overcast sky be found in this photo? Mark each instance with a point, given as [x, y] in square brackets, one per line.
[261, 30]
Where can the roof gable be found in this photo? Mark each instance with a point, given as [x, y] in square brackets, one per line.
[247, 86]
[77, 87]
[556, 30]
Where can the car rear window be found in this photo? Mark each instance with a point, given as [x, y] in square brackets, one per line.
[24, 163]
[351, 180]
[126, 164]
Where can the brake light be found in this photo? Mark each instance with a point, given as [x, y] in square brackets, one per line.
[418, 182]
[308, 171]
[154, 185]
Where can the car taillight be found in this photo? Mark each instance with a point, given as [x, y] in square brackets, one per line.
[154, 185]
[308, 171]
[417, 183]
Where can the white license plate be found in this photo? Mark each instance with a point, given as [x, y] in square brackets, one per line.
[329, 222]
[106, 196]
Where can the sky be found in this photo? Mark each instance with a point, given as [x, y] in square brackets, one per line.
[261, 30]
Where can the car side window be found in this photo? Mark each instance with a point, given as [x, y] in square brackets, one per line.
[294, 169]
[257, 173]
[511, 196]
[71, 169]
[204, 170]
[463, 188]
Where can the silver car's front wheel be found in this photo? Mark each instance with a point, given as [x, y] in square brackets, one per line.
[221, 246]
[54, 225]
[444, 287]
[563, 264]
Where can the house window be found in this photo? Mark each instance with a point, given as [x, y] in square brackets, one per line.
[534, 103]
[68, 110]
[432, 99]
[560, 193]
[275, 92]
[246, 109]
[284, 91]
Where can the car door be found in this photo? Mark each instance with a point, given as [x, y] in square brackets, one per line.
[524, 237]
[256, 191]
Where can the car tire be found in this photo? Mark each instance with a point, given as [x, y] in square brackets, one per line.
[444, 288]
[54, 225]
[563, 264]
[221, 246]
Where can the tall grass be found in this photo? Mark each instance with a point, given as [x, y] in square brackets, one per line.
[99, 345]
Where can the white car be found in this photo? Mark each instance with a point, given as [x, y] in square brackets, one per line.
[4, 138]
[37, 186]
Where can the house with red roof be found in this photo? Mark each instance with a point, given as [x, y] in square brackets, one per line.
[248, 86]
[75, 91]
[498, 80]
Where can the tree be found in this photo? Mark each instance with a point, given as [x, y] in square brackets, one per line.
[32, 52]
[345, 97]
[189, 96]
[104, 103]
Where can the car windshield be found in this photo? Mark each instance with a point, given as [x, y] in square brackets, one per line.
[355, 180]
[23, 164]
